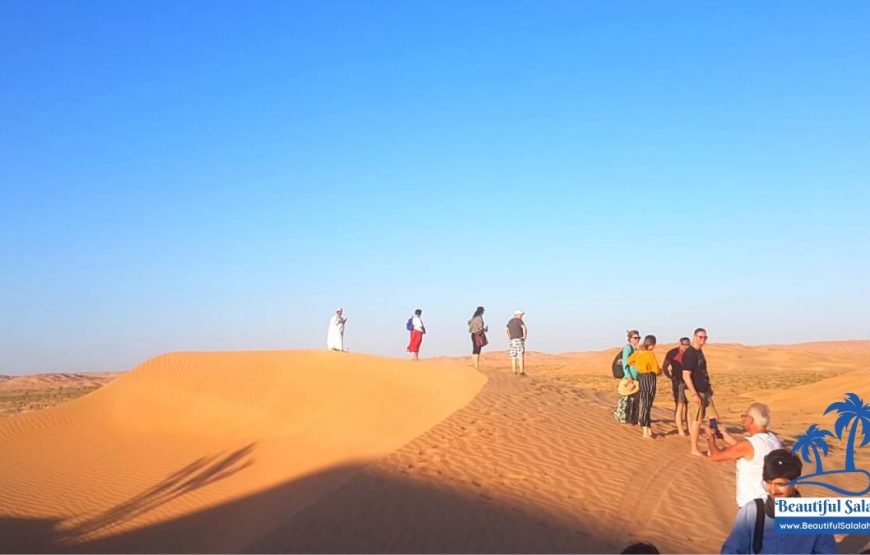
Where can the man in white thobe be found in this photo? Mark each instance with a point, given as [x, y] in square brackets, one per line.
[335, 335]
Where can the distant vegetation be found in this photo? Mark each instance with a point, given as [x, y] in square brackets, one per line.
[15, 401]
[28, 393]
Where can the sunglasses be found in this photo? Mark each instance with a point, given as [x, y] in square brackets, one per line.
[635, 337]
[704, 337]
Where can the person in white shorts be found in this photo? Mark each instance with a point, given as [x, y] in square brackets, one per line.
[516, 333]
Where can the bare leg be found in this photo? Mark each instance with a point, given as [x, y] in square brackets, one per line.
[694, 429]
[475, 360]
[522, 365]
[679, 417]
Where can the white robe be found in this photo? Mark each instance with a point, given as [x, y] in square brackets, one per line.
[335, 335]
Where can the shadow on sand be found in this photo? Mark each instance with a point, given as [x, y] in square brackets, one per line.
[343, 509]
[375, 514]
[198, 474]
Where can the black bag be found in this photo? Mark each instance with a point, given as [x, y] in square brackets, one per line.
[616, 367]
[758, 533]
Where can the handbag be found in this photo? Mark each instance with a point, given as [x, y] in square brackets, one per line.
[480, 339]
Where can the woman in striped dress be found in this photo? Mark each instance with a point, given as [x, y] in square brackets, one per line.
[648, 370]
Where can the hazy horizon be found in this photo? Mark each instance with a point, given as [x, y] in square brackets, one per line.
[222, 175]
[497, 350]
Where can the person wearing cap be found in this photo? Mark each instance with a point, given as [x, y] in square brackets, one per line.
[517, 333]
[780, 467]
[335, 333]
[673, 369]
[749, 452]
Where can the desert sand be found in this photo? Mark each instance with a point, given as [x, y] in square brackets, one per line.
[338, 452]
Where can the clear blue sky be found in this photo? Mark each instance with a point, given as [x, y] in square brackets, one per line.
[221, 176]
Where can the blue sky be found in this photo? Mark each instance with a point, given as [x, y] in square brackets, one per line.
[222, 175]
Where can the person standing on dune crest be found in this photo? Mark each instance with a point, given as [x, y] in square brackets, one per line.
[516, 333]
[335, 334]
[477, 328]
[417, 329]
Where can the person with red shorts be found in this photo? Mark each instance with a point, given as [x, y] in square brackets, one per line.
[417, 331]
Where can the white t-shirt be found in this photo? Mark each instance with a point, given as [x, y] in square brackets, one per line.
[749, 472]
[418, 323]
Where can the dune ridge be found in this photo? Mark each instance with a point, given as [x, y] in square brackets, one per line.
[330, 452]
[186, 431]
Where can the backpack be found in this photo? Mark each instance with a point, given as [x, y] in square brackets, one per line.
[616, 366]
[758, 533]
[409, 325]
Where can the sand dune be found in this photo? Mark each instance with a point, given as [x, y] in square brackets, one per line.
[328, 452]
[185, 432]
[529, 466]
[539, 465]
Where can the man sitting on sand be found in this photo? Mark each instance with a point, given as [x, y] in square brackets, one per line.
[749, 453]
[780, 468]
[673, 369]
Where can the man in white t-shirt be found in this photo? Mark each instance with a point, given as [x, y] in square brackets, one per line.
[749, 452]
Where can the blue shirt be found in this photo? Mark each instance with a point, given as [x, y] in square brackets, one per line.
[629, 371]
[740, 539]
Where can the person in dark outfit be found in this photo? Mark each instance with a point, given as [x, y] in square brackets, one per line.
[673, 369]
[697, 381]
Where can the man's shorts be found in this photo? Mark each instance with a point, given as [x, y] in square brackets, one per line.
[699, 412]
[679, 389]
[517, 348]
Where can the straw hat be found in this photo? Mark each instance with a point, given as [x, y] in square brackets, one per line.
[627, 386]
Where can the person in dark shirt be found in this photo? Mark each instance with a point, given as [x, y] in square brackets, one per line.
[673, 369]
[517, 333]
[697, 381]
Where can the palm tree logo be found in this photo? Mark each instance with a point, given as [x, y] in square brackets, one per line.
[812, 441]
[854, 411]
[853, 414]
